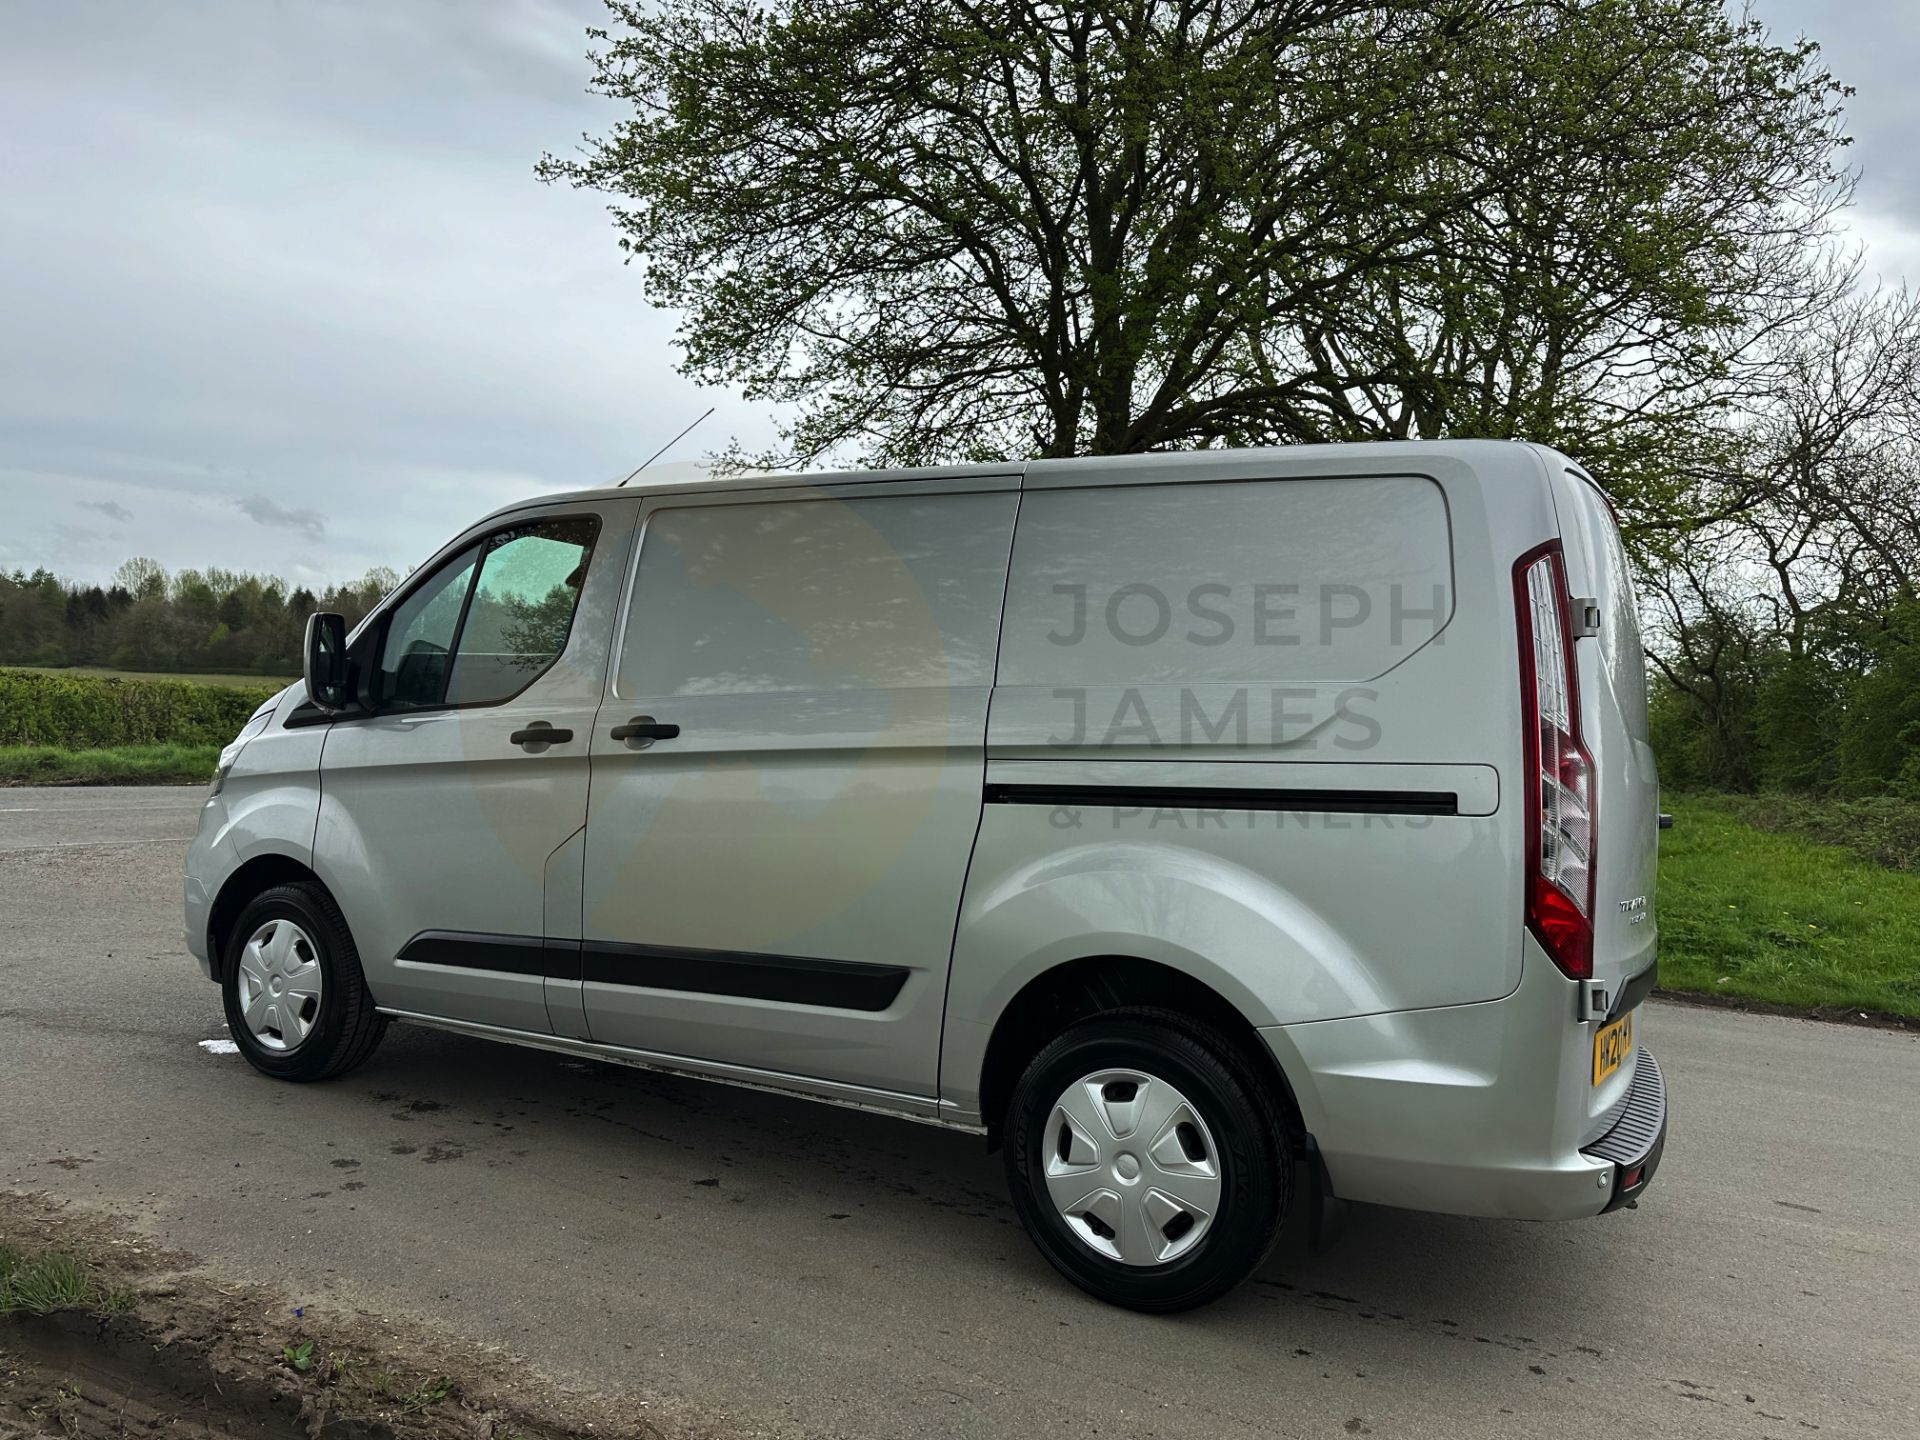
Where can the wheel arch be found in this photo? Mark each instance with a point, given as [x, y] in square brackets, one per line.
[256, 875]
[1080, 989]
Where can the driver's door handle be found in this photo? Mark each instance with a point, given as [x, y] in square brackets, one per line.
[645, 729]
[540, 733]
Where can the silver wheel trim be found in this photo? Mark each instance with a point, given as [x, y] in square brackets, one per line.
[1131, 1167]
[280, 985]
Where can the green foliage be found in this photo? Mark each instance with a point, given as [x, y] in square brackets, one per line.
[1840, 717]
[946, 231]
[78, 712]
[109, 765]
[300, 1356]
[1774, 917]
[40, 1284]
[428, 1394]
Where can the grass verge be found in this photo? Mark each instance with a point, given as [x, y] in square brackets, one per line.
[43, 1283]
[1781, 919]
[1882, 829]
[110, 765]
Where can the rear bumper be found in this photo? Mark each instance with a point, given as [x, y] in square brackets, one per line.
[1639, 1136]
[1486, 1109]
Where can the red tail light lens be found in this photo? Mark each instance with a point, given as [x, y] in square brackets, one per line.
[1560, 820]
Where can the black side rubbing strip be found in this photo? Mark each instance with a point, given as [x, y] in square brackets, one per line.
[1180, 797]
[563, 959]
[790, 979]
[508, 954]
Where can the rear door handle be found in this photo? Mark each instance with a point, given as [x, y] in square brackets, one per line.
[643, 730]
[541, 734]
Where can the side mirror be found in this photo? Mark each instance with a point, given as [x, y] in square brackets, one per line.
[325, 665]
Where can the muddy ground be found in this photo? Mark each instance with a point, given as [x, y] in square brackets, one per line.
[165, 1349]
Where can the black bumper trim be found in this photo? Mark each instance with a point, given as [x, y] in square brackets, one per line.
[1639, 1137]
[1634, 991]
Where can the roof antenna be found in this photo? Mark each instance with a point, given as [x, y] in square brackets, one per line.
[666, 447]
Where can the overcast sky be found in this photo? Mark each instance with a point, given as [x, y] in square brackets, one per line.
[278, 290]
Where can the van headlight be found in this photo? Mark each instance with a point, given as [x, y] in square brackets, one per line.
[232, 752]
[227, 757]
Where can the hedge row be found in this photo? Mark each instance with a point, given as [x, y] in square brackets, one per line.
[87, 711]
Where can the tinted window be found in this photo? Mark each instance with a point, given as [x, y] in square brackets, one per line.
[458, 641]
[522, 609]
[885, 592]
[413, 662]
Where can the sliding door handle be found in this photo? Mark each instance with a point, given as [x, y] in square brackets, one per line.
[643, 730]
[539, 735]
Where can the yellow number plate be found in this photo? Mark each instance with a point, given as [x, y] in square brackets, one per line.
[1612, 1044]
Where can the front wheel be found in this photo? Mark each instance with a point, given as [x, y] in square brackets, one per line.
[1148, 1160]
[297, 1003]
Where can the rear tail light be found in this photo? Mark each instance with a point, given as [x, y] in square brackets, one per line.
[1559, 771]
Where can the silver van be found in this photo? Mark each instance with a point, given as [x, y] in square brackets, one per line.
[1214, 832]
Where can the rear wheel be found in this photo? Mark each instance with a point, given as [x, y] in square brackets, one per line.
[297, 1004]
[1148, 1160]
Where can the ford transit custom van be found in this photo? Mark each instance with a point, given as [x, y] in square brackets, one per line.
[1215, 833]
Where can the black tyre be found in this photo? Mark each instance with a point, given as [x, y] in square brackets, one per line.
[296, 1000]
[1148, 1160]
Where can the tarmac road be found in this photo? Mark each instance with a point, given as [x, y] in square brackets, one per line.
[791, 1269]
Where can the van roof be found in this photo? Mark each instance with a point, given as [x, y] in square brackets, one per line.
[1165, 466]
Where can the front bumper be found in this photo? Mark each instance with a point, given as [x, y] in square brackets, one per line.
[1639, 1135]
[198, 906]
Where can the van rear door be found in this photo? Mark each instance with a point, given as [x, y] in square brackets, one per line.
[1613, 702]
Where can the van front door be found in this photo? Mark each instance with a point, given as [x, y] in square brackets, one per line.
[787, 778]
[450, 817]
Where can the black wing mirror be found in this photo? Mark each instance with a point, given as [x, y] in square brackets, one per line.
[325, 665]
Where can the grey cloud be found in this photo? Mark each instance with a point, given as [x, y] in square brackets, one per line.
[264, 511]
[112, 509]
[1870, 45]
[304, 243]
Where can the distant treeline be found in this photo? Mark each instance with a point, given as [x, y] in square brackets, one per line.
[146, 619]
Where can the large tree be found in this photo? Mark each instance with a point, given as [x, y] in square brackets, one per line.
[952, 229]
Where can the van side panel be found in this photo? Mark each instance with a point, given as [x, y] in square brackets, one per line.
[1326, 827]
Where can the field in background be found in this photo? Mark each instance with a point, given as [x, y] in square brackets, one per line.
[1777, 917]
[237, 682]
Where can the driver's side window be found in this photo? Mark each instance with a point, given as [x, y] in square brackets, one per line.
[413, 663]
[488, 623]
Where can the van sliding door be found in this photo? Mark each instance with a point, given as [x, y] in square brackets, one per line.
[787, 778]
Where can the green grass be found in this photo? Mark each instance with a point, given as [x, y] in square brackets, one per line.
[233, 681]
[1880, 829]
[1776, 917]
[37, 1284]
[110, 765]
